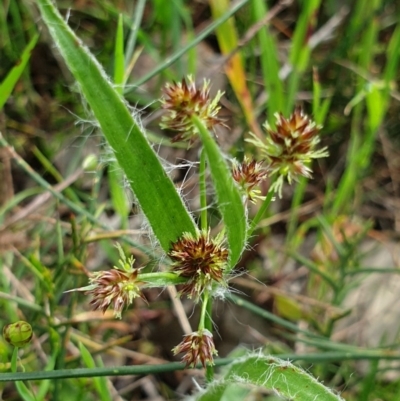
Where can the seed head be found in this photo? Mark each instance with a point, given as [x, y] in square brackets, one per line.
[117, 287]
[114, 288]
[248, 175]
[199, 259]
[183, 100]
[290, 147]
[198, 347]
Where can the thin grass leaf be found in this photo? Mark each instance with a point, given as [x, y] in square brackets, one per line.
[362, 137]
[119, 57]
[228, 42]
[300, 49]
[22, 389]
[319, 108]
[130, 46]
[92, 217]
[7, 86]
[228, 196]
[45, 384]
[99, 382]
[115, 174]
[199, 37]
[269, 63]
[155, 192]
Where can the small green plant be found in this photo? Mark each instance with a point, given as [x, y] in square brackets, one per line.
[200, 263]
[196, 254]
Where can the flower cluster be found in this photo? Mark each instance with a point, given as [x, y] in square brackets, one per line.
[182, 101]
[248, 175]
[116, 288]
[201, 260]
[290, 147]
[198, 348]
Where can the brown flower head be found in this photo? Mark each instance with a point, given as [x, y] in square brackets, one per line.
[290, 147]
[116, 288]
[248, 175]
[183, 100]
[198, 347]
[199, 259]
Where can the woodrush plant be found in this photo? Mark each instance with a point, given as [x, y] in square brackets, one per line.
[201, 264]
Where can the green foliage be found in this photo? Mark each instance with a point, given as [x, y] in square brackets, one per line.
[151, 186]
[12, 77]
[57, 216]
[229, 201]
[272, 374]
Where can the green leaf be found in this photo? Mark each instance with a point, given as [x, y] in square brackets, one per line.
[118, 196]
[273, 374]
[119, 58]
[226, 392]
[23, 390]
[154, 190]
[269, 63]
[229, 200]
[7, 86]
[99, 382]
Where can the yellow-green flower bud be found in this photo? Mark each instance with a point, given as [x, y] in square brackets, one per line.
[18, 334]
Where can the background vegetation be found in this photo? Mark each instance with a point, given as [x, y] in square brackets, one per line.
[318, 283]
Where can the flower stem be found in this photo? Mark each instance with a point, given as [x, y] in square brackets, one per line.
[203, 315]
[14, 359]
[203, 193]
[208, 326]
[262, 209]
[206, 323]
[206, 307]
[160, 279]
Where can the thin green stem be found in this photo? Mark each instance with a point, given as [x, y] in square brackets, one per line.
[22, 302]
[58, 195]
[206, 323]
[199, 37]
[318, 357]
[23, 390]
[206, 307]
[314, 268]
[137, 19]
[14, 359]
[203, 315]
[203, 193]
[160, 279]
[208, 326]
[262, 210]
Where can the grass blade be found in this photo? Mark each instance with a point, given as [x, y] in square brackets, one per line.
[115, 174]
[7, 86]
[269, 63]
[155, 192]
[228, 42]
[99, 382]
[229, 200]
